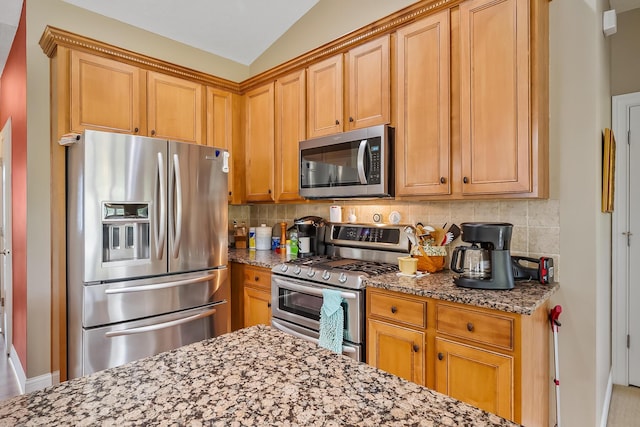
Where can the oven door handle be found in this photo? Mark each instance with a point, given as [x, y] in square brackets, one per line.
[314, 291]
[283, 328]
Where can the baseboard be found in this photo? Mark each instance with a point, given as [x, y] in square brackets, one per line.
[30, 384]
[14, 361]
[37, 383]
[607, 401]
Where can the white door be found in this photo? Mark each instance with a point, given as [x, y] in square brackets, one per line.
[634, 245]
[6, 271]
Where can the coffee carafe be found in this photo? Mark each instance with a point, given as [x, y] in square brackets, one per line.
[486, 264]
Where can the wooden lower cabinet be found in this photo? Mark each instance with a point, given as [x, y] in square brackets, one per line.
[494, 360]
[257, 307]
[477, 376]
[250, 296]
[397, 350]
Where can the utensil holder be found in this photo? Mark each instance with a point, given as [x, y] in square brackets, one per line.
[429, 263]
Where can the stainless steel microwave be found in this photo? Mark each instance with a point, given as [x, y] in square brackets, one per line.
[357, 163]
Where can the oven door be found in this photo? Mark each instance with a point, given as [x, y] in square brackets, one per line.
[300, 302]
[353, 351]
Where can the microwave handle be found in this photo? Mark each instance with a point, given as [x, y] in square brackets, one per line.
[362, 149]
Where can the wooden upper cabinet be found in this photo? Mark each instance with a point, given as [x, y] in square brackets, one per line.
[422, 124]
[324, 97]
[259, 143]
[175, 108]
[106, 95]
[290, 129]
[223, 124]
[368, 84]
[496, 149]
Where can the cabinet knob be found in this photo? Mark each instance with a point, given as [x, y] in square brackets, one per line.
[440, 356]
[351, 119]
[153, 132]
[229, 192]
[394, 309]
[337, 121]
[136, 130]
[416, 348]
[256, 278]
[465, 180]
[269, 304]
[269, 191]
[470, 327]
[443, 180]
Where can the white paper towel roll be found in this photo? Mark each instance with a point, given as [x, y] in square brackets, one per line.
[335, 214]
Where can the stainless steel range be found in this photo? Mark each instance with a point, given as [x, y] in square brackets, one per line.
[353, 252]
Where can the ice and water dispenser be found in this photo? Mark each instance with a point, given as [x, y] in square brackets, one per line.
[125, 231]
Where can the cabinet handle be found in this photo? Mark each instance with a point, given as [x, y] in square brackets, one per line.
[440, 356]
[136, 130]
[153, 132]
[337, 121]
[394, 310]
[416, 348]
[470, 327]
[465, 180]
[351, 119]
[443, 180]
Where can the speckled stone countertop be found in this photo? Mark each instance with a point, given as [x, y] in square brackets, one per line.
[253, 377]
[524, 298]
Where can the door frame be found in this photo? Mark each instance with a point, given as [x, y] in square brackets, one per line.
[5, 158]
[620, 225]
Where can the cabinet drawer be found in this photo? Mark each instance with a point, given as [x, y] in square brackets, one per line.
[473, 325]
[257, 277]
[404, 310]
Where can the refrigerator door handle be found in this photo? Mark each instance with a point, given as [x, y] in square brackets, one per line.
[163, 285]
[161, 196]
[178, 206]
[159, 326]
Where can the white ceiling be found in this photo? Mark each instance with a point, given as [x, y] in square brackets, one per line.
[9, 18]
[240, 30]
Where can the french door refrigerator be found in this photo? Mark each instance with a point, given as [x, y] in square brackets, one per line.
[146, 248]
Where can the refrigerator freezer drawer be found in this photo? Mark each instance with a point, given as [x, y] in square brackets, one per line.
[116, 302]
[115, 345]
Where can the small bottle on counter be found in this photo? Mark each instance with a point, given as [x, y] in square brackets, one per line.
[252, 237]
[288, 247]
[293, 238]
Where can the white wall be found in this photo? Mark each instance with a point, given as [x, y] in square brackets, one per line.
[579, 111]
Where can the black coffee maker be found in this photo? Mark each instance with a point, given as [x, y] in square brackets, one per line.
[310, 235]
[486, 264]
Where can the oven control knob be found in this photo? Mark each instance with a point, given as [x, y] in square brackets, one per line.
[326, 275]
[297, 269]
[311, 272]
[284, 267]
[342, 278]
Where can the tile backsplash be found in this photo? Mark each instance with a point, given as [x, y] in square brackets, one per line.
[536, 223]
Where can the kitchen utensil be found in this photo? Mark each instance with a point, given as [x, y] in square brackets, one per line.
[448, 238]
[455, 230]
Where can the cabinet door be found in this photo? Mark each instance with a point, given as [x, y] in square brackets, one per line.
[369, 91]
[175, 109]
[422, 126]
[222, 121]
[324, 96]
[290, 128]
[259, 143]
[397, 350]
[105, 95]
[257, 307]
[476, 376]
[494, 86]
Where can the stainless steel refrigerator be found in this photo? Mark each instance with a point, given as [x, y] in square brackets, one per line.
[146, 248]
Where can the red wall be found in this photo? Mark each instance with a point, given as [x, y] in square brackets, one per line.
[13, 104]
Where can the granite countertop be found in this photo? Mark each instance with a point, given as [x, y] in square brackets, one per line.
[252, 377]
[524, 298]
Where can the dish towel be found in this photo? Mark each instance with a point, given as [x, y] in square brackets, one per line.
[331, 321]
